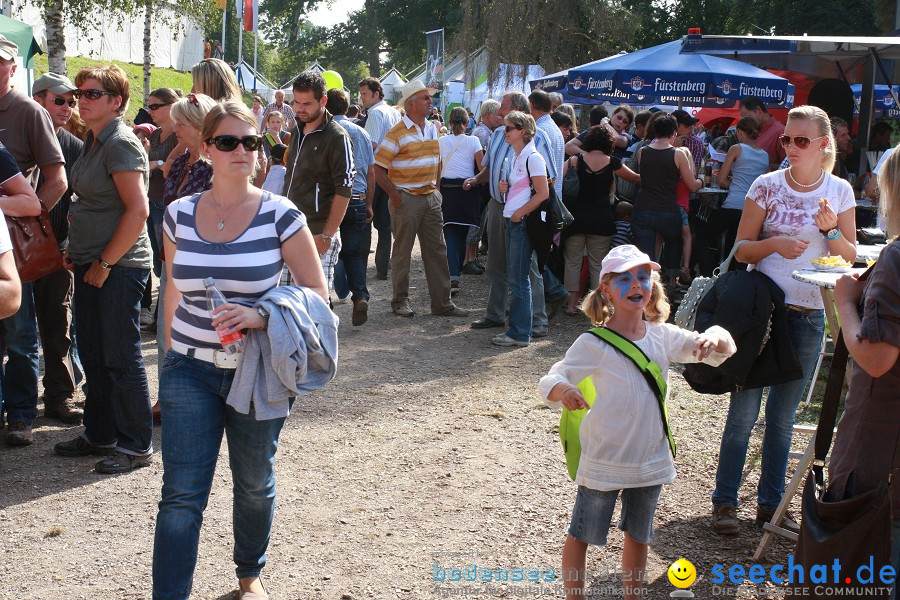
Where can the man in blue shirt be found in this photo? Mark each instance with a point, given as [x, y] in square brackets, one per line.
[350, 272]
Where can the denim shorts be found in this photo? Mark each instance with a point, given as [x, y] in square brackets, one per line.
[593, 514]
[684, 215]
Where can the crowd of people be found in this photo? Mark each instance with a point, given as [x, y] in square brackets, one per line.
[288, 194]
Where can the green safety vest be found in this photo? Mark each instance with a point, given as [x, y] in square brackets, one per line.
[570, 421]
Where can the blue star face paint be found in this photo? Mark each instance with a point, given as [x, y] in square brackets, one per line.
[623, 282]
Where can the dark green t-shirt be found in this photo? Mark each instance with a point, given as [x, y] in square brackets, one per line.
[98, 209]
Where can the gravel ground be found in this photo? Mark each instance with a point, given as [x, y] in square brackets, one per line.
[431, 451]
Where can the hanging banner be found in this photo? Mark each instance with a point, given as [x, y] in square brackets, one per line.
[434, 62]
[251, 14]
[222, 4]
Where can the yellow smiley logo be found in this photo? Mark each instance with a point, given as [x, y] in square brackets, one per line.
[682, 573]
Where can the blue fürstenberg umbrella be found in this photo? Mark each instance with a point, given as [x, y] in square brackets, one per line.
[669, 77]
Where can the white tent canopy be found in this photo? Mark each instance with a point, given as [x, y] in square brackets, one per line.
[249, 79]
[391, 82]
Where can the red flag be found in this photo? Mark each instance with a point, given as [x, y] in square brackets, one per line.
[251, 14]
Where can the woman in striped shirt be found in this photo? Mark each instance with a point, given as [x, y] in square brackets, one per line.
[241, 237]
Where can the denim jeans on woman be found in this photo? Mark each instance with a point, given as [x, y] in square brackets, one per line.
[645, 224]
[455, 235]
[117, 408]
[806, 332]
[192, 394]
[518, 268]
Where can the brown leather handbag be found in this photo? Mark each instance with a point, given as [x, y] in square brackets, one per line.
[34, 246]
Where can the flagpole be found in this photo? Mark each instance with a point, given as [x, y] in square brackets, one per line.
[240, 47]
[255, 51]
[224, 14]
[443, 70]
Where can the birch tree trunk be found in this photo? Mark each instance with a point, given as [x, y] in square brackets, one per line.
[54, 18]
[148, 21]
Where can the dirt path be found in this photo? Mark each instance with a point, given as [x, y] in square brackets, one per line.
[430, 452]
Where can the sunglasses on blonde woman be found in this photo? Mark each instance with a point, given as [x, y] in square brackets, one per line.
[228, 143]
[509, 128]
[802, 142]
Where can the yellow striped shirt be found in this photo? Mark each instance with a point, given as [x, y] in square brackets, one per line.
[411, 156]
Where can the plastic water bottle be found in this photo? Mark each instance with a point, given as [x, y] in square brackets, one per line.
[232, 341]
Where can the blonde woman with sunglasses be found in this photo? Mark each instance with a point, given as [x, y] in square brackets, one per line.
[241, 237]
[790, 217]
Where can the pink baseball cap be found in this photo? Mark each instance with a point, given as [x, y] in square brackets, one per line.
[147, 128]
[624, 258]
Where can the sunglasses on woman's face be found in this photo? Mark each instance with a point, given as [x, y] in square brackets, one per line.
[511, 127]
[60, 101]
[91, 94]
[802, 142]
[228, 143]
[158, 106]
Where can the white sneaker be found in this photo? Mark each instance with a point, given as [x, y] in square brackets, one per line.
[146, 317]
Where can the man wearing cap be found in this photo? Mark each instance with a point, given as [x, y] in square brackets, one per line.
[53, 293]
[406, 167]
[27, 132]
[687, 138]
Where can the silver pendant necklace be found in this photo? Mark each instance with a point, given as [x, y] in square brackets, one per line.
[221, 224]
[806, 185]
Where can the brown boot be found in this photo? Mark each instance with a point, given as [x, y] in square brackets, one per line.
[18, 434]
[63, 409]
[360, 311]
[725, 521]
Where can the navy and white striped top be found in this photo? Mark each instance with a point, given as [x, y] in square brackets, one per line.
[244, 268]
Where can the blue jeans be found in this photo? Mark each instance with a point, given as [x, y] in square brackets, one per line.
[553, 288]
[351, 261]
[20, 376]
[495, 270]
[645, 224]
[154, 227]
[117, 404]
[455, 236]
[518, 269]
[192, 396]
[806, 333]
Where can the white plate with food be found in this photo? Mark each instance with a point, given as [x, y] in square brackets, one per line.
[831, 264]
[835, 269]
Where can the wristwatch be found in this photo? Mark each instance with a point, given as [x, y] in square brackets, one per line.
[160, 163]
[263, 313]
[104, 264]
[831, 234]
[326, 238]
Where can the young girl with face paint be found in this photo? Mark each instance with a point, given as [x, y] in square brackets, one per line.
[624, 448]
